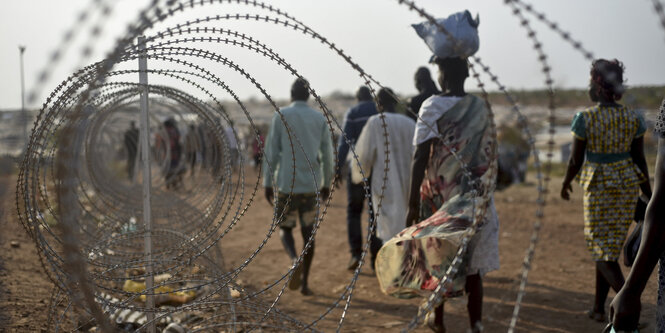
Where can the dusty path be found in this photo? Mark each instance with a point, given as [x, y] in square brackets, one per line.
[560, 288]
[560, 285]
[24, 288]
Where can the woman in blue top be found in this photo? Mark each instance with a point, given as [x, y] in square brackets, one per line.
[611, 136]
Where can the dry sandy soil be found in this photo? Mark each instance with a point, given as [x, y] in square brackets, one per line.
[560, 289]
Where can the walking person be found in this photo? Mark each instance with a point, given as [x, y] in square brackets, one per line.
[611, 137]
[426, 88]
[192, 147]
[131, 138]
[625, 308]
[233, 147]
[354, 121]
[297, 180]
[444, 198]
[375, 146]
[172, 149]
[257, 149]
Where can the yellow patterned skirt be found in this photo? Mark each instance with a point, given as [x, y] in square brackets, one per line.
[608, 214]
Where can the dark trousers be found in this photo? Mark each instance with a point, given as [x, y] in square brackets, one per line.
[131, 160]
[356, 200]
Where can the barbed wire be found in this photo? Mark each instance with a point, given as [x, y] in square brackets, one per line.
[658, 8]
[347, 303]
[84, 235]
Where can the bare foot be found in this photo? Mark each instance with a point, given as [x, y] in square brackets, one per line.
[306, 291]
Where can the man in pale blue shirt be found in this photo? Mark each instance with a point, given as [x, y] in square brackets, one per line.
[298, 162]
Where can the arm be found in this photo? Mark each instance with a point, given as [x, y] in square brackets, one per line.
[625, 308]
[366, 154]
[637, 153]
[412, 106]
[574, 165]
[326, 159]
[343, 146]
[418, 166]
[271, 159]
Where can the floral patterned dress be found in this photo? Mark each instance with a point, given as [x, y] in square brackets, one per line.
[413, 262]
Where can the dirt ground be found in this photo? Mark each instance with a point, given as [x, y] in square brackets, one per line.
[560, 289]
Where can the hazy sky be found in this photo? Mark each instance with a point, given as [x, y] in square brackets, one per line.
[375, 33]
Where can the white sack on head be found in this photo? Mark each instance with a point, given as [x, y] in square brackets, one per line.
[461, 26]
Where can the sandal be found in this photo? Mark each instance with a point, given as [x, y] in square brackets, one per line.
[597, 316]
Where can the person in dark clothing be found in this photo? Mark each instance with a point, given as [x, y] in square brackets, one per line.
[192, 147]
[257, 147]
[173, 176]
[426, 88]
[354, 121]
[626, 307]
[131, 144]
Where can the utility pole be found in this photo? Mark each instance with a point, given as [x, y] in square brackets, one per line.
[23, 111]
[145, 159]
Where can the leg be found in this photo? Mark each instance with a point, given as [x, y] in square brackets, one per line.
[286, 225]
[130, 167]
[307, 260]
[356, 197]
[286, 235]
[474, 290]
[602, 289]
[612, 273]
[437, 325]
[375, 244]
[192, 163]
[308, 216]
[608, 274]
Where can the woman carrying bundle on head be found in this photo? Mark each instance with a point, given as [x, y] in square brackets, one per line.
[611, 137]
[452, 184]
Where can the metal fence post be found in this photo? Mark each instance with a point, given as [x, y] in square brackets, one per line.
[145, 159]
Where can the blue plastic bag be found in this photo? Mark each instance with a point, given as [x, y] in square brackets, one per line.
[461, 26]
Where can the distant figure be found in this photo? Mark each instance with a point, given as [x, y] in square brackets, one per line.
[426, 88]
[611, 136]
[444, 199]
[625, 308]
[131, 144]
[257, 146]
[374, 149]
[173, 174]
[215, 137]
[312, 169]
[203, 130]
[232, 142]
[512, 155]
[354, 120]
[192, 147]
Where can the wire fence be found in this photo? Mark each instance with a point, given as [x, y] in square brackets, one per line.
[83, 205]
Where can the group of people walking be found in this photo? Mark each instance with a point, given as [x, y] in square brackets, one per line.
[433, 179]
[428, 177]
[422, 195]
